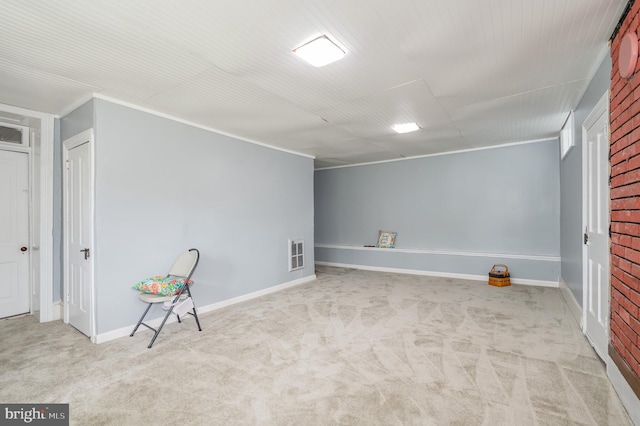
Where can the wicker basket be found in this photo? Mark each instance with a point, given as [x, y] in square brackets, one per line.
[499, 277]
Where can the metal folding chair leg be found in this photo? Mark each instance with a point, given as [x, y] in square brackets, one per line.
[140, 322]
[166, 317]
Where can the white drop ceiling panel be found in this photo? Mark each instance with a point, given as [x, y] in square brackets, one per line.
[470, 73]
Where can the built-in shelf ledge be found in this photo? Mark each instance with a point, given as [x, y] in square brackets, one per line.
[544, 258]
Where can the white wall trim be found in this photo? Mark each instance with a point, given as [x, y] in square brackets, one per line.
[445, 252]
[45, 281]
[572, 303]
[46, 218]
[624, 391]
[485, 278]
[460, 151]
[57, 310]
[126, 331]
[193, 124]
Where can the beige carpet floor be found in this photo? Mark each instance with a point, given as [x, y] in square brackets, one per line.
[352, 348]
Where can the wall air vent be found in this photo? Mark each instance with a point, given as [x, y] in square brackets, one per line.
[296, 254]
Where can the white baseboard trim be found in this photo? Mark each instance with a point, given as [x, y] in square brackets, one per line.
[521, 281]
[256, 294]
[624, 391]
[57, 310]
[572, 303]
[126, 331]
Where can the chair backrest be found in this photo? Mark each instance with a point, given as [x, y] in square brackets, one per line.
[185, 264]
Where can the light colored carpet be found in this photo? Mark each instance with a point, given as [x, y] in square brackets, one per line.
[353, 348]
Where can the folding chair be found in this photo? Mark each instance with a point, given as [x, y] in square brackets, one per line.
[182, 268]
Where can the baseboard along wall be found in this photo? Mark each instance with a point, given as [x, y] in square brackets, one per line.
[530, 269]
[126, 331]
[572, 303]
[521, 281]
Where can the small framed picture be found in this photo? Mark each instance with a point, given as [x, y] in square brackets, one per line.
[387, 239]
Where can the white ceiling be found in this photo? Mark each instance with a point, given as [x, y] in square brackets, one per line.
[471, 73]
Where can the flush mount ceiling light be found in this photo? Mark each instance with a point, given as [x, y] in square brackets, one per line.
[405, 127]
[320, 51]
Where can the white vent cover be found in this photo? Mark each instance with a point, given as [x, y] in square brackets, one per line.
[296, 254]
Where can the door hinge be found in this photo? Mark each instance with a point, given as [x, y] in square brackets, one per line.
[67, 163]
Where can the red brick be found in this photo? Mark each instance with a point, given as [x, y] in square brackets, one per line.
[632, 177]
[635, 271]
[618, 273]
[627, 240]
[619, 168]
[616, 182]
[626, 342]
[634, 297]
[635, 326]
[629, 334]
[618, 250]
[633, 283]
[629, 216]
[632, 255]
[617, 343]
[628, 152]
[628, 306]
[635, 352]
[625, 191]
[624, 315]
[626, 266]
[615, 307]
[634, 163]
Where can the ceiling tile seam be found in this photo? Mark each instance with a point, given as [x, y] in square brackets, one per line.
[439, 154]
[358, 98]
[539, 89]
[196, 125]
[248, 83]
[183, 82]
[453, 123]
[50, 75]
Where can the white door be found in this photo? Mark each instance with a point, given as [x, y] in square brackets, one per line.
[596, 292]
[14, 233]
[79, 233]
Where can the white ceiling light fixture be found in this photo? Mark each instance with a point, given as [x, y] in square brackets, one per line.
[405, 127]
[320, 51]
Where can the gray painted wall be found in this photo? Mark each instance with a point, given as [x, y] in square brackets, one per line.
[571, 186]
[77, 121]
[163, 187]
[503, 200]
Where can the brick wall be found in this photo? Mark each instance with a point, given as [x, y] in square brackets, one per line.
[624, 110]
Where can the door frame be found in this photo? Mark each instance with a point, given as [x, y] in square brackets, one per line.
[74, 141]
[601, 107]
[21, 149]
[40, 209]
